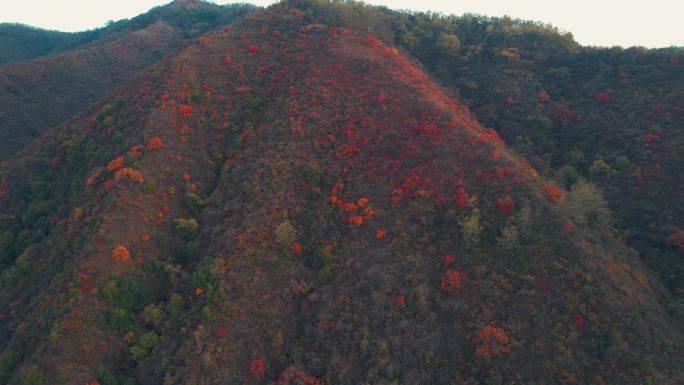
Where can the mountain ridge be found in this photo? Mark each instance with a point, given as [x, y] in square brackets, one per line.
[289, 200]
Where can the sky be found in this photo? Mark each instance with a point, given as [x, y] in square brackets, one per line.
[651, 23]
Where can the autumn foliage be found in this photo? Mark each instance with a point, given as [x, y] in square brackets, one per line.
[116, 163]
[505, 205]
[452, 280]
[129, 172]
[120, 254]
[553, 193]
[257, 368]
[461, 198]
[155, 144]
[294, 375]
[491, 341]
[543, 96]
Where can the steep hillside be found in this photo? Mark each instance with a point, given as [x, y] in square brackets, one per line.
[41, 93]
[294, 203]
[610, 116]
[20, 42]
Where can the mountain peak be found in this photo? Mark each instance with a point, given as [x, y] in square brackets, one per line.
[187, 3]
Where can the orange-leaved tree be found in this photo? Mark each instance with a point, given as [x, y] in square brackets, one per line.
[491, 341]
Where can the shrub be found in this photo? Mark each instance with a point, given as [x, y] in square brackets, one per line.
[17, 273]
[194, 202]
[9, 360]
[584, 205]
[145, 344]
[105, 377]
[449, 44]
[312, 174]
[285, 234]
[148, 187]
[203, 276]
[153, 315]
[32, 376]
[186, 228]
[176, 307]
[471, 228]
[126, 295]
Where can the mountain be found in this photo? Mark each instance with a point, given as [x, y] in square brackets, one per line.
[608, 115]
[291, 202]
[38, 94]
[19, 42]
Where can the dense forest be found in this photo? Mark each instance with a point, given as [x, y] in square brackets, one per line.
[334, 193]
[41, 93]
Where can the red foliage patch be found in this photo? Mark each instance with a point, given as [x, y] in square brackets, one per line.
[296, 376]
[568, 226]
[86, 288]
[297, 248]
[603, 97]
[491, 341]
[543, 96]
[400, 300]
[221, 332]
[553, 193]
[116, 163]
[505, 205]
[452, 280]
[542, 286]
[448, 260]
[380, 233]
[155, 144]
[381, 97]
[356, 220]
[257, 368]
[186, 110]
[651, 137]
[120, 254]
[461, 198]
[578, 320]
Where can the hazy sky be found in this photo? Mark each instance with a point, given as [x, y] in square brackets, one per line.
[650, 23]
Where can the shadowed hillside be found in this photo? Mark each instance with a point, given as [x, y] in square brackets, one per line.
[298, 203]
[39, 94]
[22, 42]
